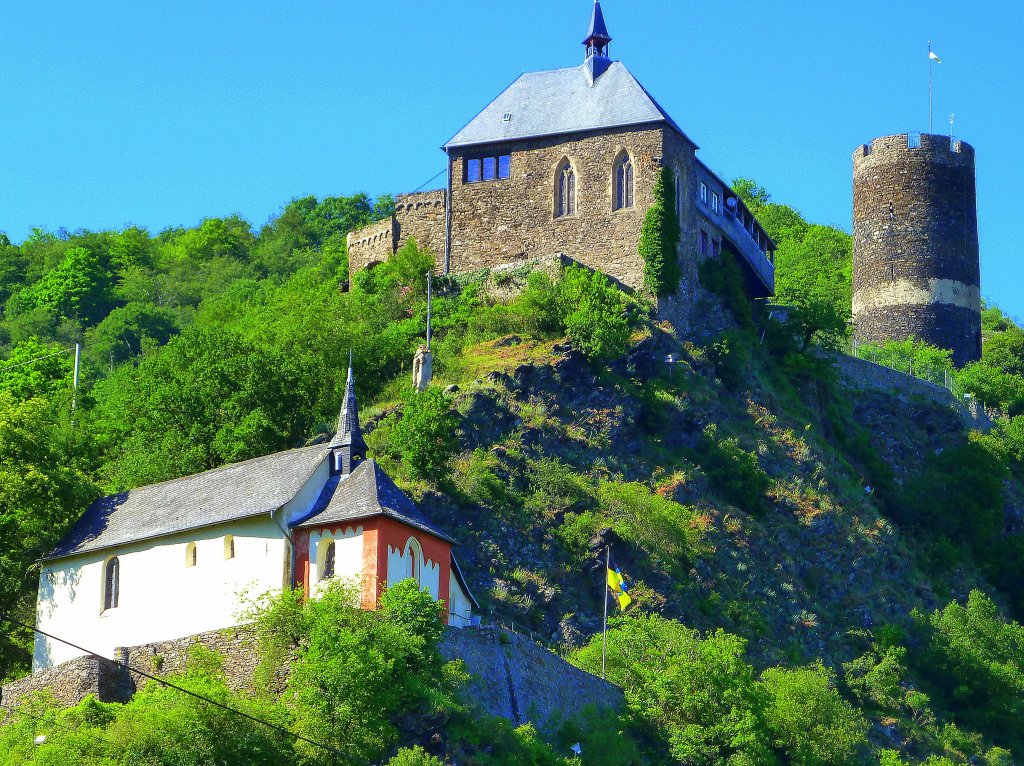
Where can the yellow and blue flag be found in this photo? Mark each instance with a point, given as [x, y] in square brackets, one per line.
[618, 586]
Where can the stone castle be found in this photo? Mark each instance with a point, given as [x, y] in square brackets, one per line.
[916, 267]
[564, 162]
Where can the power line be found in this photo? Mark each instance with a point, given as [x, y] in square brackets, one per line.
[183, 690]
[37, 359]
[428, 181]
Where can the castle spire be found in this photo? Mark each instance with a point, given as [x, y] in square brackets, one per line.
[348, 445]
[597, 61]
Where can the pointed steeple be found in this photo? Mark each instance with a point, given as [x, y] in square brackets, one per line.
[597, 61]
[348, 444]
[598, 37]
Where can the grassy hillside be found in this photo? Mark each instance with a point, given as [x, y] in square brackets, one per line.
[771, 587]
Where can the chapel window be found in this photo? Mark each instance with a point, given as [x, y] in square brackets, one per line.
[623, 186]
[229, 546]
[190, 555]
[565, 190]
[111, 583]
[413, 560]
[328, 568]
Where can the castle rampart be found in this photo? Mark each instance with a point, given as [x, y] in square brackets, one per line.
[370, 245]
[916, 269]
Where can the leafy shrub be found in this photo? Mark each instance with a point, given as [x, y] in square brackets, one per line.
[723, 277]
[415, 756]
[732, 471]
[594, 314]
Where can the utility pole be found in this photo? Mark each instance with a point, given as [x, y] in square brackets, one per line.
[604, 636]
[430, 294]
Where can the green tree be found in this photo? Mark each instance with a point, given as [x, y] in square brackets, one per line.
[36, 369]
[128, 331]
[423, 437]
[41, 494]
[659, 238]
[79, 288]
[698, 690]
[809, 720]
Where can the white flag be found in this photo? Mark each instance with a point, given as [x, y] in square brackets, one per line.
[933, 57]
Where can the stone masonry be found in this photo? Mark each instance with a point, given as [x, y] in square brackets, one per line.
[916, 268]
[512, 677]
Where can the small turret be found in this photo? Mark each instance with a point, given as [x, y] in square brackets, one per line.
[348, 447]
[597, 42]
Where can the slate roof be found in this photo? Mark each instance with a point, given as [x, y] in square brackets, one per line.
[363, 494]
[237, 491]
[561, 101]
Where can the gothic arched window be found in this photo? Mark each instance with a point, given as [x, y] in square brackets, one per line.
[565, 190]
[413, 560]
[327, 570]
[229, 546]
[111, 583]
[622, 187]
[190, 555]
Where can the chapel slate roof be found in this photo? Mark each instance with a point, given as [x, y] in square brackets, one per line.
[237, 491]
[561, 101]
[363, 494]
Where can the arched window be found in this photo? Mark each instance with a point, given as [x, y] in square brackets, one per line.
[111, 583]
[229, 546]
[413, 559]
[327, 569]
[190, 555]
[565, 190]
[622, 187]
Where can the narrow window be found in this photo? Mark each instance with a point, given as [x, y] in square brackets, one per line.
[703, 242]
[679, 196]
[414, 560]
[111, 583]
[472, 171]
[714, 201]
[229, 547]
[490, 168]
[703, 192]
[328, 568]
[565, 190]
[504, 166]
[623, 187]
[190, 555]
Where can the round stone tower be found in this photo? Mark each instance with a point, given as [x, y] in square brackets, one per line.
[916, 268]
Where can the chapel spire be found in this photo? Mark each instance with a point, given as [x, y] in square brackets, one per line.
[348, 446]
[597, 37]
[597, 41]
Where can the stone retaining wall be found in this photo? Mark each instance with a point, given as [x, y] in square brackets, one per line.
[512, 676]
[521, 681]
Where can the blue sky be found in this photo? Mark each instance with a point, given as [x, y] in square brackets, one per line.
[162, 113]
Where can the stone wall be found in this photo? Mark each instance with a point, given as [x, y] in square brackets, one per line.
[370, 245]
[513, 219]
[861, 374]
[421, 217]
[71, 682]
[521, 681]
[512, 676]
[916, 268]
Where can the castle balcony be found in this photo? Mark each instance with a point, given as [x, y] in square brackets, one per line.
[754, 247]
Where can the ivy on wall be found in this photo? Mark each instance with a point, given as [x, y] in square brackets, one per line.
[659, 238]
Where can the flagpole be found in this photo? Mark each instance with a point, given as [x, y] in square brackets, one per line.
[604, 638]
[930, 110]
